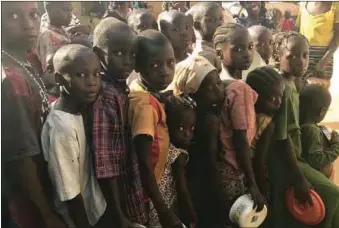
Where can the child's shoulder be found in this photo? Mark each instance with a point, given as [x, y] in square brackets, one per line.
[307, 129]
[62, 122]
[240, 88]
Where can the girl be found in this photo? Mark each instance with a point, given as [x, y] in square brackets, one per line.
[286, 167]
[155, 61]
[181, 121]
[25, 107]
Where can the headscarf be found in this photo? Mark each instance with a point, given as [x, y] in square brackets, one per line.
[189, 75]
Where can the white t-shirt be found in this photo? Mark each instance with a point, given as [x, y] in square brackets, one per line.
[70, 164]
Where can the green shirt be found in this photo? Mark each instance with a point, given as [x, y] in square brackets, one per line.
[316, 149]
[287, 118]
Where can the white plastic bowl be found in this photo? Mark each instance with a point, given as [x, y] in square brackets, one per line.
[243, 214]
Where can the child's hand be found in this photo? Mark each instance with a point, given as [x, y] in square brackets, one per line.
[302, 191]
[257, 197]
[334, 137]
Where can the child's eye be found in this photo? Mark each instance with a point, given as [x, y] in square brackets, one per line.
[119, 53]
[251, 47]
[97, 74]
[181, 128]
[80, 75]
[35, 15]
[154, 65]
[14, 16]
[294, 57]
[239, 49]
[193, 128]
[172, 63]
[133, 55]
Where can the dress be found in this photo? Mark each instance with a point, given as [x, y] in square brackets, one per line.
[167, 185]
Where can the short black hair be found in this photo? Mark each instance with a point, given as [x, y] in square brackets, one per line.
[167, 17]
[114, 14]
[224, 33]
[280, 40]
[201, 8]
[263, 79]
[106, 29]
[146, 39]
[256, 30]
[313, 98]
[133, 17]
[176, 105]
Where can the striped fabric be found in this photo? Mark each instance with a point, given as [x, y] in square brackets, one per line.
[316, 53]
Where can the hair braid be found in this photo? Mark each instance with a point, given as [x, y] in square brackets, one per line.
[224, 33]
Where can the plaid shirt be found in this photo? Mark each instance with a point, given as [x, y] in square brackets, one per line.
[113, 155]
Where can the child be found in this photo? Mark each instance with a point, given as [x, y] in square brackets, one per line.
[115, 163]
[286, 168]
[287, 23]
[53, 36]
[190, 33]
[318, 150]
[155, 61]
[263, 41]
[25, 107]
[174, 25]
[181, 117]
[207, 17]
[141, 19]
[269, 86]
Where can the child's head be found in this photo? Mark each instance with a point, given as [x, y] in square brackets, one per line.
[155, 60]
[291, 53]
[287, 14]
[174, 25]
[59, 13]
[234, 46]
[115, 43]
[269, 85]
[181, 118]
[314, 101]
[142, 19]
[263, 41]
[20, 24]
[252, 8]
[77, 70]
[190, 31]
[198, 78]
[207, 17]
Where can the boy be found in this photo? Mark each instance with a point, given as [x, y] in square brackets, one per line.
[207, 17]
[263, 41]
[25, 107]
[116, 165]
[155, 61]
[175, 25]
[141, 19]
[318, 149]
[78, 196]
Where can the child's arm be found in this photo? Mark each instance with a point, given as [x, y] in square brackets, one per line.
[143, 147]
[178, 168]
[243, 149]
[315, 154]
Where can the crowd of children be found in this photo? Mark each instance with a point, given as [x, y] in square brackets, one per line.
[160, 128]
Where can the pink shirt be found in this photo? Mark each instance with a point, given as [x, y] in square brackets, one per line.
[237, 114]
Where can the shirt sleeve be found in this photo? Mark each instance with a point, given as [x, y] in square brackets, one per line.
[63, 161]
[281, 119]
[142, 116]
[19, 134]
[313, 149]
[106, 141]
[241, 100]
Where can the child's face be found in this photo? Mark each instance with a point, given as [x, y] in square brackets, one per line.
[239, 53]
[85, 80]
[264, 45]
[294, 57]
[213, 18]
[272, 101]
[177, 32]
[252, 8]
[181, 130]
[20, 23]
[211, 91]
[61, 13]
[145, 21]
[120, 57]
[159, 67]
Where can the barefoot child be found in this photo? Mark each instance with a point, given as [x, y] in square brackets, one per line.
[142, 19]
[263, 41]
[25, 107]
[180, 113]
[79, 199]
[155, 61]
[174, 25]
[116, 165]
[286, 168]
[318, 149]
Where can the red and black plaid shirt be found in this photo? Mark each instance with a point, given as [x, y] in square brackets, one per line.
[113, 154]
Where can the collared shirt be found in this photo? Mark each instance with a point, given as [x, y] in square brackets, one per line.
[113, 155]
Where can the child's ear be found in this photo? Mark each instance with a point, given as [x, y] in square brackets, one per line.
[276, 59]
[322, 112]
[197, 25]
[220, 54]
[59, 80]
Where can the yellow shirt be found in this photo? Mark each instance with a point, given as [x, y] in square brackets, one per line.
[318, 29]
[147, 116]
